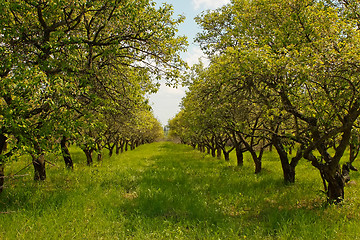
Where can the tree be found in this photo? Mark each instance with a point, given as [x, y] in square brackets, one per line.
[63, 60]
[303, 54]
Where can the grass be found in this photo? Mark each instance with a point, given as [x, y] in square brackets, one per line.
[169, 191]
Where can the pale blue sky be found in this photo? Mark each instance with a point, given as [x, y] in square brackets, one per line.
[165, 102]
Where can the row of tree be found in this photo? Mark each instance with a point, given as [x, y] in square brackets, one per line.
[79, 71]
[283, 74]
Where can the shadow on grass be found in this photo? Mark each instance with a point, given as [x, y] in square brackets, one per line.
[185, 186]
[175, 188]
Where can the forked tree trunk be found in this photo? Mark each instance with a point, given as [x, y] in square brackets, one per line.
[88, 154]
[255, 157]
[287, 166]
[331, 175]
[111, 150]
[66, 153]
[226, 155]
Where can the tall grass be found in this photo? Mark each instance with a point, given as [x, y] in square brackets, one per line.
[169, 191]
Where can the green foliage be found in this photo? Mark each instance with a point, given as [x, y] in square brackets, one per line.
[67, 67]
[169, 191]
[291, 64]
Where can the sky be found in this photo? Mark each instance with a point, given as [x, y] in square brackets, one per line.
[166, 102]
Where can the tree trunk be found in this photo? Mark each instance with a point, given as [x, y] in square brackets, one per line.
[335, 188]
[126, 145]
[117, 148]
[288, 171]
[66, 153]
[39, 167]
[213, 152]
[88, 154]
[218, 152]
[226, 155]
[255, 157]
[99, 153]
[111, 150]
[122, 147]
[208, 150]
[239, 155]
[258, 166]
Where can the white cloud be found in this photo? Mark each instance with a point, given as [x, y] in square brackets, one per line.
[193, 56]
[179, 91]
[212, 4]
[166, 101]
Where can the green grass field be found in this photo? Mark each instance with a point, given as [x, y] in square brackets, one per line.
[169, 191]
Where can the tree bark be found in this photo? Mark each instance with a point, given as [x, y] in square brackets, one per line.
[288, 169]
[226, 155]
[336, 183]
[88, 154]
[255, 157]
[66, 153]
[111, 150]
[213, 152]
[38, 160]
[218, 152]
[258, 166]
[99, 153]
[117, 147]
[239, 155]
[126, 145]
[39, 167]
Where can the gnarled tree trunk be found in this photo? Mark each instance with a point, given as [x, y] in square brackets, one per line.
[38, 160]
[88, 153]
[66, 153]
[288, 166]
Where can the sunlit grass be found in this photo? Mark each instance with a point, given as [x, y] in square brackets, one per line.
[169, 191]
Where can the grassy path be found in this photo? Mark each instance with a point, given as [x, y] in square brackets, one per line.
[169, 191]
